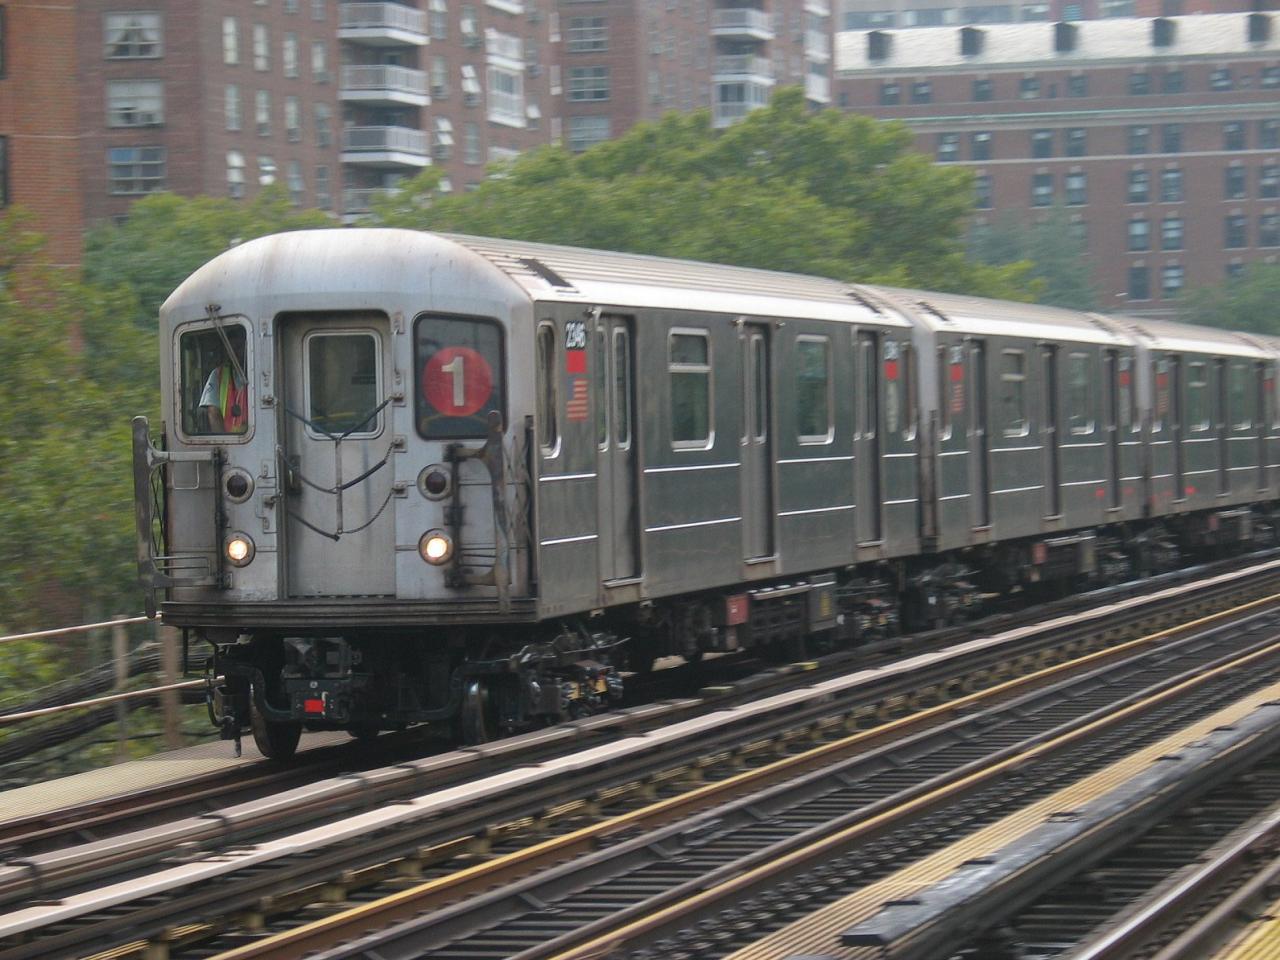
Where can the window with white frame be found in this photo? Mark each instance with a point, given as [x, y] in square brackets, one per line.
[586, 132]
[319, 61]
[318, 9]
[135, 170]
[689, 372]
[813, 390]
[262, 112]
[235, 174]
[133, 36]
[470, 85]
[289, 55]
[261, 48]
[471, 142]
[230, 41]
[324, 192]
[266, 171]
[506, 96]
[587, 34]
[438, 20]
[231, 106]
[442, 142]
[135, 103]
[588, 83]
[297, 186]
[292, 119]
[439, 78]
[322, 115]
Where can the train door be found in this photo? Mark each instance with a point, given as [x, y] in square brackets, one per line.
[867, 458]
[1111, 423]
[757, 450]
[1222, 423]
[340, 529]
[979, 452]
[1178, 424]
[1052, 456]
[616, 449]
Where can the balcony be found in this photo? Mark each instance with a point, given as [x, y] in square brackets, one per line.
[383, 25]
[360, 199]
[743, 67]
[741, 23]
[817, 46]
[819, 8]
[817, 88]
[385, 147]
[382, 85]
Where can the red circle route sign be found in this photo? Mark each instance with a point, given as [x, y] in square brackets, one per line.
[457, 381]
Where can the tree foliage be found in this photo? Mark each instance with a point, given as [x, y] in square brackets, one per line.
[1059, 273]
[825, 193]
[1240, 303]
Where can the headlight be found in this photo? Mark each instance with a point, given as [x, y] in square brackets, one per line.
[239, 549]
[238, 485]
[435, 547]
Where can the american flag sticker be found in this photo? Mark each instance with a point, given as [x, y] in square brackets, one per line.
[576, 407]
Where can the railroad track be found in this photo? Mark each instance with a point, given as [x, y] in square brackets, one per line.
[252, 886]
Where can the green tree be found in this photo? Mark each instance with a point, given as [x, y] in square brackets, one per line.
[167, 237]
[1059, 272]
[825, 193]
[1248, 302]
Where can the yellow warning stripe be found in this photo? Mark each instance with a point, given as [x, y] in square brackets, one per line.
[1260, 941]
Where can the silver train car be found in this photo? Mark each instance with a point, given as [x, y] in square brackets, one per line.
[407, 477]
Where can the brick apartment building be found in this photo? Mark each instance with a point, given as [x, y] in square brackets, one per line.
[900, 14]
[1160, 136]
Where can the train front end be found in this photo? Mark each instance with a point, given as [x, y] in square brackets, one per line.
[337, 501]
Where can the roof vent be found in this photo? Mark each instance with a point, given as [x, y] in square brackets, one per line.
[1065, 36]
[1259, 27]
[878, 42]
[546, 273]
[1163, 31]
[971, 40]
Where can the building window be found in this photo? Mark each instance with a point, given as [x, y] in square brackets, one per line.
[1077, 142]
[1173, 82]
[1269, 181]
[1220, 79]
[318, 9]
[890, 93]
[982, 191]
[1139, 236]
[1029, 88]
[1035, 11]
[297, 186]
[1270, 77]
[1235, 232]
[470, 85]
[1078, 86]
[1076, 189]
[262, 112]
[442, 141]
[586, 34]
[1171, 233]
[980, 145]
[289, 55]
[439, 78]
[135, 103]
[1233, 136]
[948, 147]
[1170, 280]
[261, 48]
[319, 61]
[689, 369]
[266, 171]
[1269, 135]
[1170, 186]
[4, 172]
[1139, 139]
[1269, 230]
[1139, 83]
[471, 143]
[1042, 190]
[230, 41]
[231, 106]
[921, 91]
[506, 96]
[1171, 138]
[1234, 187]
[588, 83]
[322, 114]
[292, 119]
[1139, 186]
[438, 20]
[1041, 143]
[1116, 8]
[1139, 283]
[1235, 270]
[983, 90]
[135, 170]
[235, 174]
[129, 36]
[324, 191]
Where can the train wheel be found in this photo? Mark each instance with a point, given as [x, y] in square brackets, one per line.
[275, 739]
[478, 720]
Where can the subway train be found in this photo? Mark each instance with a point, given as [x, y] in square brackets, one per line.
[406, 477]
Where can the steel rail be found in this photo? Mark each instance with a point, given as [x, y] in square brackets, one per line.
[437, 893]
[80, 628]
[8, 718]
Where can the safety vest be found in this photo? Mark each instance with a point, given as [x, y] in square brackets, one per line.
[233, 401]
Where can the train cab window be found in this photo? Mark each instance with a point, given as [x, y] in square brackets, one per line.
[460, 382]
[343, 386]
[1080, 393]
[1239, 408]
[689, 366]
[813, 390]
[213, 389]
[548, 434]
[1013, 393]
[1198, 397]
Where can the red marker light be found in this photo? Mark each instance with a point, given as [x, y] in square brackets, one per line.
[313, 705]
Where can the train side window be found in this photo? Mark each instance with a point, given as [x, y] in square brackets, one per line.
[622, 388]
[1013, 386]
[689, 366]
[1080, 394]
[813, 390]
[1272, 399]
[548, 434]
[213, 396]
[1241, 417]
[1198, 397]
[761, 381]
[1124, 395]
[908, 382]
[944, 395]
[1160, 371]
[601, 384]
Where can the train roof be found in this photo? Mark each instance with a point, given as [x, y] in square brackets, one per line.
[1184, 337]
